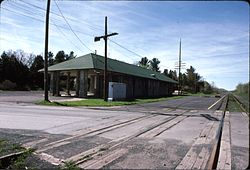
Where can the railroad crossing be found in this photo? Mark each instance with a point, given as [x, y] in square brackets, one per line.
[187, 133]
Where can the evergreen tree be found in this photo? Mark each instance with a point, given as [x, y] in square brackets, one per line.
[50, 59]
[70, 56]
[154, 64]
[60, 57]
[37, 77]
[144, 62]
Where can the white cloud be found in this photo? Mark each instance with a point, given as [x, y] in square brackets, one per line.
[207, 44]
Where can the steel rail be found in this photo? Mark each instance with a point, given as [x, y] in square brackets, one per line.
[213, 160]
[242, 106]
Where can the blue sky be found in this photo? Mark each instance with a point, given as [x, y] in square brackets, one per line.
[215, 34]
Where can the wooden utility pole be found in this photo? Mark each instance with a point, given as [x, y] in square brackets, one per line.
[46, 96]
[179, 78]
[106, 62]
[0, 22]
[105, 37]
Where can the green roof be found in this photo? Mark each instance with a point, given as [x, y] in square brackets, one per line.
[94, 61]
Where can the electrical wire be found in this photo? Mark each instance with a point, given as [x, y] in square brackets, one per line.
[40, 20]
[57, 26]
[29, 11]
[71, 28]
[97, 27]
[19, 13]
[125, 48]
[67, 38]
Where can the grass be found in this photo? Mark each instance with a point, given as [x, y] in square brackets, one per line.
[102, 103]
[14, 162]
[6, 147]
[26, 159]
[69, 165]
[232, 106]
[244, 98]
[200, 94]
[20, 162]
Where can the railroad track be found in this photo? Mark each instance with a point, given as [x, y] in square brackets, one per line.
[103, 154]
[91, 159]
[240, 104]
[209, 140]
[220, 157]
[152, 129]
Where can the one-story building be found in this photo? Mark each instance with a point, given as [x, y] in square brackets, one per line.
[84, 75]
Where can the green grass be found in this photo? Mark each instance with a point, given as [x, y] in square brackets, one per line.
[20, 162]
[244, 98]
[6, 147]
[200, 94]
[102, 103]
[15, 162]
[69, 165]
[232, 106]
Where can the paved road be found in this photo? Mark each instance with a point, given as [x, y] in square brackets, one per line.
[188, 103]
[145, 136]
[25, 97]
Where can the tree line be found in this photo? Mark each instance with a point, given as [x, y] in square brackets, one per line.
[242, 89]
[20, 71]
[190, 81]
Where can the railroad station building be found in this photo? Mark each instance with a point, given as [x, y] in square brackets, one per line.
[83, 77]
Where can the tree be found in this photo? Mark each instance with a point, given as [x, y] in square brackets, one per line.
[70, 56]
[30, 59]
[165, 72]
[173, 75]
[242, 88]
[14, 69]
[208, 89]
[50, 59]
[154, 64]
[37, 77]
[4, 55]
[192, 79]
[144, 62]
[60, 57]
[37, 64]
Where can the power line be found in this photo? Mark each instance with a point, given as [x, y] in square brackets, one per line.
[28, 11]
[67, 38]
[126, 48]
[97, 27]
[125, 55]
[23, 8]
[19, 13]
[71, 28]
[57, 26]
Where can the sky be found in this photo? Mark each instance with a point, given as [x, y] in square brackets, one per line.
[214, 34]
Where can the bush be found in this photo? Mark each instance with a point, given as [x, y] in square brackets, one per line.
[7, 85]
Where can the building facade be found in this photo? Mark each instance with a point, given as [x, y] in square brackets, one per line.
[83, 76]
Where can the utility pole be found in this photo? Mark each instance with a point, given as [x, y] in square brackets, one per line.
[46, 96]
[105, 62]
[105, 37]
[179, 78]
[0, 22]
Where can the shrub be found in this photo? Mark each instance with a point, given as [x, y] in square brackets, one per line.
[7, 85]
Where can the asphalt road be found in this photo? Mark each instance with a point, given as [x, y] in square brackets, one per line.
[153, 136]
[187, 103]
